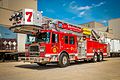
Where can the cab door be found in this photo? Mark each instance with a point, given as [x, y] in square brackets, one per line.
[72, 44]
[55, 43]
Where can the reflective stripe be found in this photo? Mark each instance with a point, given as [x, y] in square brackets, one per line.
[76, 54]
[104, 53]
[90, 54]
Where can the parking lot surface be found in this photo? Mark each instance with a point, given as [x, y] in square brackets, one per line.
[109, 69]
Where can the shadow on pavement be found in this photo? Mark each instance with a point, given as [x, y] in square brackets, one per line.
[52, 65]
[37, 67]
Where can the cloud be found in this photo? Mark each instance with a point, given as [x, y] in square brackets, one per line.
[73, 2]
[50, 10]
[97, 5]
[84, 8]
[73, 5]
[81, 14]
[104, 21]
[73, 17]
[81, 10]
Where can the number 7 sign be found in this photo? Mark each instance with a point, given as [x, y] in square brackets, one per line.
[28, 16]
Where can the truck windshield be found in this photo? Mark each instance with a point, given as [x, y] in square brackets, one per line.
[43, 37]
[30, 38]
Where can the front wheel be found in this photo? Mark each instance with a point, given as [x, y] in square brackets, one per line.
[63, 60]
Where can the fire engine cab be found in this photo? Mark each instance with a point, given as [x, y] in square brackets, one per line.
[50, 40]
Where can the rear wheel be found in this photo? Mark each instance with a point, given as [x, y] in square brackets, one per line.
[63, 60]
[95, 57]
[100, 57]
[85, 60]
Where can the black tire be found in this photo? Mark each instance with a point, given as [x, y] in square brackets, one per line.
[100, 57]
[77, 62]
[95, 58]
[85, 61]
[110, 54]
[63, 60]
[3, 57]
[40, 64]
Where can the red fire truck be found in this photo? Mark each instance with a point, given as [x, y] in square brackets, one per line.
[57, 41]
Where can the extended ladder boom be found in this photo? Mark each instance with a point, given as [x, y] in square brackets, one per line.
[95, 35]
[28, 21]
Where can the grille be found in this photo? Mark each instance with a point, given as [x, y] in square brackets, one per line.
[34, 48]
[34, 51]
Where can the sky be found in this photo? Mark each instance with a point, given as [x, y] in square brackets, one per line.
[6, 33]
[80, 11]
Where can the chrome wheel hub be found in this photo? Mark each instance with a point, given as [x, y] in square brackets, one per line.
[100, 57]
[64, 61]
[95, 58]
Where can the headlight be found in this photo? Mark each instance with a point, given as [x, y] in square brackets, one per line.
[42, 49]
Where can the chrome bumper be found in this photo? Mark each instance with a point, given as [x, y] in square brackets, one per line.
[34, 59]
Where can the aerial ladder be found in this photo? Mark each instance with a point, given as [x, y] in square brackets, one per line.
[28, 21]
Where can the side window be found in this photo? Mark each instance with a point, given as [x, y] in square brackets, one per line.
[54, 38]
[66, 39]
[71, 41]
[60, 25]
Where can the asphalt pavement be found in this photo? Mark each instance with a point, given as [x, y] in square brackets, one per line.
[109, 69]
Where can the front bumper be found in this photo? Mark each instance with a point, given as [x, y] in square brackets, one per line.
[34, 59]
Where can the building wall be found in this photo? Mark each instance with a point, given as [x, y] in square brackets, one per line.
[88, 25]
[14, 5]
[92, 25]
[98, 25]
[9, 7]
[114, 27]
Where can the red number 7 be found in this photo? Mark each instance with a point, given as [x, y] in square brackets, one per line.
[29, 16]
